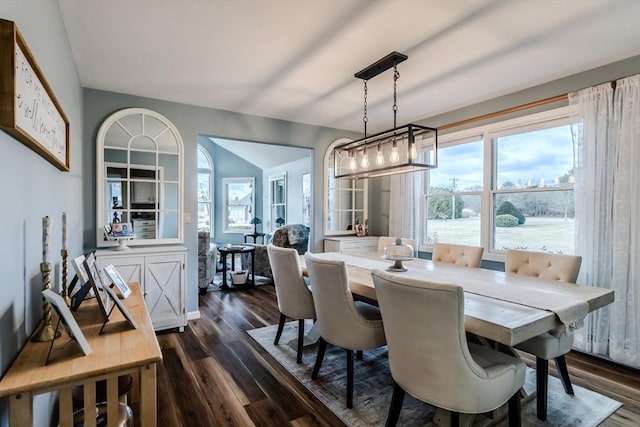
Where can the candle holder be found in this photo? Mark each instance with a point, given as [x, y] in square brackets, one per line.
[45, 331]
[63, 294]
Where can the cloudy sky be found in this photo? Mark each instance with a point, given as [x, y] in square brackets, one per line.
[527, 157]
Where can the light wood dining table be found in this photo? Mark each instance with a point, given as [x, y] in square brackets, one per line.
[505, 308]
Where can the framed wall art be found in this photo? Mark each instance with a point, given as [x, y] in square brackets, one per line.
[29, 111]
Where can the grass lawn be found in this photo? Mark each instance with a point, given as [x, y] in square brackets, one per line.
[537, 233]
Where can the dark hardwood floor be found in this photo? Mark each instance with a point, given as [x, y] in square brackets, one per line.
[214, 374]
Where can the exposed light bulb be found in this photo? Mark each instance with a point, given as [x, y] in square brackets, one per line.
[379, 157]
[413, 153]
[364, 162]
[395, 156]
[352, 161]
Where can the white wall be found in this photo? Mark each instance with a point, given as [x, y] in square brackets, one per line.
[31, 188]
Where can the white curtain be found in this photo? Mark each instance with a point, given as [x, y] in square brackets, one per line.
[607, 207]
[404, 205]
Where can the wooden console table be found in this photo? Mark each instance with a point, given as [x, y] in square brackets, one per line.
[120, 350]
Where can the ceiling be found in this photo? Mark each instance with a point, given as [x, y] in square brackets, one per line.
[295, 60]
[264, 156]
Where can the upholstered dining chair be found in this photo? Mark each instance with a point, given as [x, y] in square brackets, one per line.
[342, 322]
[430, 358]
[468, 256]
[294, 297]
[564, 268]
[385, 240]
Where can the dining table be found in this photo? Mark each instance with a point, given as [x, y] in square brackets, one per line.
[503, 307]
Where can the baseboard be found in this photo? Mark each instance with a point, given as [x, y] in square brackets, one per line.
[193, 315]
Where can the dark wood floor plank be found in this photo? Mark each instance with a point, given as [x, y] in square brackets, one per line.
[266, 413]
[191, 407]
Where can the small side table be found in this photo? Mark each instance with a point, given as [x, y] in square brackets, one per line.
[254, 236]
[232, 250]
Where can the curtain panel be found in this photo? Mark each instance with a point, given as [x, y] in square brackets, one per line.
[607, 205]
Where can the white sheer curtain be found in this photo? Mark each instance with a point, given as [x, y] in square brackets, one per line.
[404, 205]
[607, 208]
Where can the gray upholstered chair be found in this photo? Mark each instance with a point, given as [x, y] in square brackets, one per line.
[343, 322]
[292, 236]
[430, 358]
[294, 297]
[564, 268]
[468, 256]
[385, 240]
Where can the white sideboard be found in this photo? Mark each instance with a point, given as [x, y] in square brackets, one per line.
[350, 243]
[160, 271]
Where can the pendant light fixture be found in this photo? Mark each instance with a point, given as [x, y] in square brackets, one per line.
[407, 148]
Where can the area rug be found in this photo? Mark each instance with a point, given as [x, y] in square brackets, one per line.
[373, 388]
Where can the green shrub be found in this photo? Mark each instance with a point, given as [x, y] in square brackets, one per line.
[507, 208]
[506, 220]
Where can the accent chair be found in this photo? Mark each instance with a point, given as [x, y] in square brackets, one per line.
[342, 322]
[294, 297]
[550, 345]
[430, 358]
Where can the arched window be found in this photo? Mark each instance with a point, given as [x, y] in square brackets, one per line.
[345, 199]
[205, 191]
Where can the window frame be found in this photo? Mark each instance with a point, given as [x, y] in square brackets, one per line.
[207, 171]
[273, 204]
[489, 134]
[225, 204]
[355, 213]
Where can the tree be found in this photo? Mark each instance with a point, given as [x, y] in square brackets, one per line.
[507, 208]
[445, 207]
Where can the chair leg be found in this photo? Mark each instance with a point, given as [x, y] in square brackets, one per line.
[515, 413]
[396, 405]
[322, 347]
[455, 419]
[300, 339]
[561, 366]
[542, 373]
[283, 319]
[349, 379]
[359, 354]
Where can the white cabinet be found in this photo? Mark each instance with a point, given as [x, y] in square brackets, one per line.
[351, 243]
[161, 273]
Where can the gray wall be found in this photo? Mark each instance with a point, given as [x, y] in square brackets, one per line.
[32, 188]
[192, 121]
[228, 165]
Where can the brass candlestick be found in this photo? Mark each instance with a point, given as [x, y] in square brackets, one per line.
[63, 294]
[45, 331]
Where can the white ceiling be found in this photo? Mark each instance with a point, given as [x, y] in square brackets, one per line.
[264, 156]
[295, 60]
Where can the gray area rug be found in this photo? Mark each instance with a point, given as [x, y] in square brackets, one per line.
[373, 388]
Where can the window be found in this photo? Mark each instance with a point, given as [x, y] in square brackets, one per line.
[345, 199]
[205, 191]
[239, 204]
[455, 192]
[504, 186]
[278, 197]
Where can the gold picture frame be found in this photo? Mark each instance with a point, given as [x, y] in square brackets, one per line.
[29, 111]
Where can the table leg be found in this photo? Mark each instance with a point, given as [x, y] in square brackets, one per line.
[148, 396]
[253, 268]
[21, 409]
[224, 272]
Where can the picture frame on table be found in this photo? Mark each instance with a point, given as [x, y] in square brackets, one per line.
[117, 280]
[95, 278]
[121, 307]
[68, 321]
[81, 279]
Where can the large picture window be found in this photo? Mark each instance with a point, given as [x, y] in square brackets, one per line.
[508, 185]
